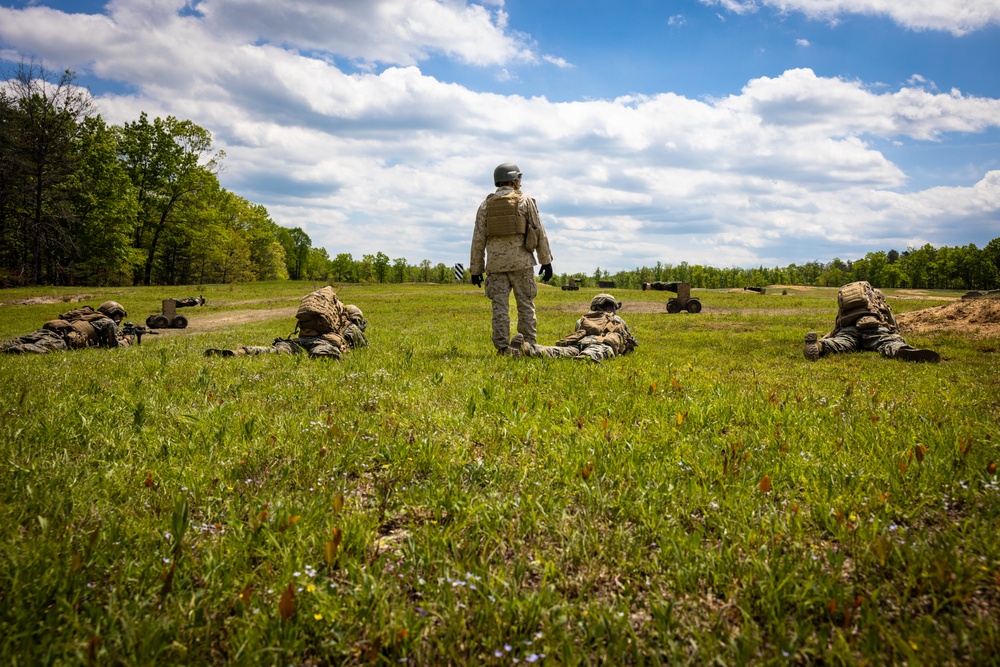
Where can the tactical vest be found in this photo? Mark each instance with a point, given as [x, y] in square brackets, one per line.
[77, 333]
[503, 215]
[610, 330]
[861, 305]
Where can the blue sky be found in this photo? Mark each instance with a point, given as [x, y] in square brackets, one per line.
[723, 132]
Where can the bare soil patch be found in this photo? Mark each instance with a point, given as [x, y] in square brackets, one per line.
[234, 317]
[978, 318]
[49, 300]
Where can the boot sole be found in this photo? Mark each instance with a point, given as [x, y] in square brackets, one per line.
[813, 349]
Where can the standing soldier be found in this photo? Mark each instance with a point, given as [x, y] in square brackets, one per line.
[864, 323]
[507, 236]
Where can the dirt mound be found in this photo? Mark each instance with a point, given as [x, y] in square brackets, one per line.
[979, 318]
[48, 300]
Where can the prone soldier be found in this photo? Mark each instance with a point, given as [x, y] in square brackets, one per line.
[325, 328]
[864, 323]
[599, 334]
[79, 328]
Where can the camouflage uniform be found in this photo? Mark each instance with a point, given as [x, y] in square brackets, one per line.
[79, 328]
[509, 267]
[870, 327]
[40, 341]
[600, 334]
[326, 345]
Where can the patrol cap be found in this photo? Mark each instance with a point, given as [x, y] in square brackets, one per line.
[605, 302]
[507, 171]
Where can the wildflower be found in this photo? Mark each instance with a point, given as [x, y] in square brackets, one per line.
[310, 588]
[318, 617]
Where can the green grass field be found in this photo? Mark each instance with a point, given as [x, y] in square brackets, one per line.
[712, 498]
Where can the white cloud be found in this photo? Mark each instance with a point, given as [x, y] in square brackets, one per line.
[676, 20]
[396, 161]
[956, 16]
[558, 62]
[802, 42]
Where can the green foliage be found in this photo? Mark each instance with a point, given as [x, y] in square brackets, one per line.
[712, 498]
[82, 202]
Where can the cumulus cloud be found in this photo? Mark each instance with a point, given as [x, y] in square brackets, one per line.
[802, 42]
[955, 16]
[390, 159]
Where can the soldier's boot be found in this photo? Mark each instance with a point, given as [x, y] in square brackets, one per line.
[213, 352]
[525, 346]
[516, 345]
[813, 349]
[913, 354]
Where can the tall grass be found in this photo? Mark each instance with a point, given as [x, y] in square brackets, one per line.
[713, 497]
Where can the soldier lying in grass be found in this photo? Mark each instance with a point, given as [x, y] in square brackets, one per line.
[864, 323]
[325, 327]
[599, 334]
[79, 328]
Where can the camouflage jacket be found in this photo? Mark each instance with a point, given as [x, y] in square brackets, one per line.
[499, 254]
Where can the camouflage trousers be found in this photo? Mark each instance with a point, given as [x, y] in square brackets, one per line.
[585, 348]
[498, 289]
[41, 341]
[313, 346]
[852, 339]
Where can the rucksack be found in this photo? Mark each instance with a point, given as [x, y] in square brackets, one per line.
[319, 313]
[859, 304]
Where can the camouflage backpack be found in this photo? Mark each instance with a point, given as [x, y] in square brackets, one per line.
[319, 313]
[862, 306]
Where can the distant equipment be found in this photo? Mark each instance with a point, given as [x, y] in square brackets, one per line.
[606, 283]
[572, 286]
[459, 273]
[683, 300]
[759, 290]
[168, 317]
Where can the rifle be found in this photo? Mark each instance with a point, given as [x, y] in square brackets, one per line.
[137, 330]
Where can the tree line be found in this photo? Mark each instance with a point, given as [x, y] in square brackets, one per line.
[960, 267]
[84, 202]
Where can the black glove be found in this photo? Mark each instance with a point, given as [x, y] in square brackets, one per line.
[545, 272]
[477, 279]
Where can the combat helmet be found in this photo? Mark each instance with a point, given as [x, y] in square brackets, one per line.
[505, 172]
[605, 302]
[354, 313]
[114, 310]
